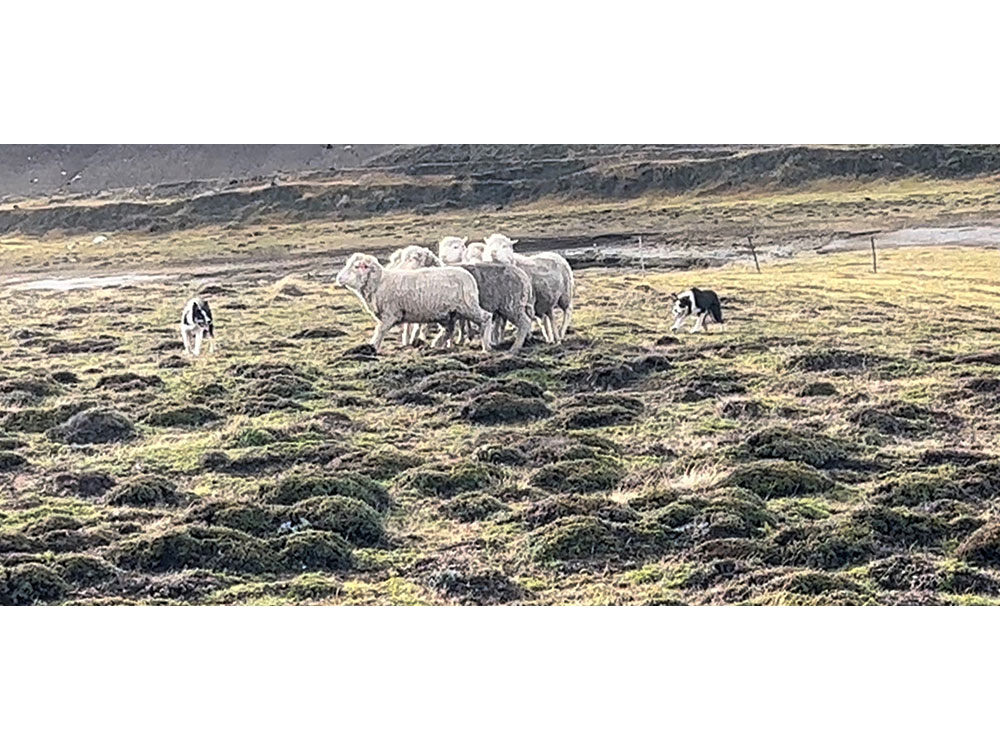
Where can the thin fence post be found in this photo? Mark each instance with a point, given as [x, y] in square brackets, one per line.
[642, 256]
[754, 251]
[874, 259]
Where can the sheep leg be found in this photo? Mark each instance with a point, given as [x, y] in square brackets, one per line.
[567, 312]
[523, 329]
[499, 324]
[485, 320]
[553, 328]
[381, 328]
[444, 335]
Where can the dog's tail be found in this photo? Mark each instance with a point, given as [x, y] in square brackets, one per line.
[716, 310]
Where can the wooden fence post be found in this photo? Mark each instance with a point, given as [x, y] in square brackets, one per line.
[874, 259]
[754, 251]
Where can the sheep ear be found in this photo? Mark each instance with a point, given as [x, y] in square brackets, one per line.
[513, 242]
[464, 240]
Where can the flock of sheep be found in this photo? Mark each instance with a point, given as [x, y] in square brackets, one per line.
[483, 285]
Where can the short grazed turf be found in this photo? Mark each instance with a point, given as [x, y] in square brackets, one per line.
[835, 443]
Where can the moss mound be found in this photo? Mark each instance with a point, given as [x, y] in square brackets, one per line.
[812, 583]
[904, 572]
[605, 415]
[484, 588]
[145, 491]
[580, 475]
[898, 527]
[818, 388]
[804, 446]
[448, 480]
[501, 408]
[900, 418]
[9, 460]
[94, 426]
[251, 518]
[31, 583]
[254, 437]
[293, 488]
[449, 381]
[500, 454]
[835, 359]
[352, 519]
[471, 506]
[916, 489]
[778, 478]
[982, 547]
[509, 386]
[37, 387]
[182, 416]
[40, 420]
[386, 462]
[195, 546]
[86, 570]
[315, 550]
[827, 545]
[573, 538]
[83, 484]
[129, 381]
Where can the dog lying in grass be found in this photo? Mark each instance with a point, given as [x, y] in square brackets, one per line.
[197, 324]
[697, 302]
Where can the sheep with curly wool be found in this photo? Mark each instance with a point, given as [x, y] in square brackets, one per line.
[425, 295]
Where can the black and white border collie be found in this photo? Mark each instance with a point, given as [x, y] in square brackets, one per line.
[196, 324]
[697, 302]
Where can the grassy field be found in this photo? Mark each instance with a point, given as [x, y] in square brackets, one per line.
[836, 443]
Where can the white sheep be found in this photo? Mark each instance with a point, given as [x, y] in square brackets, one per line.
[451, 250]
[411, 257]
[551, 279]
[425, 295]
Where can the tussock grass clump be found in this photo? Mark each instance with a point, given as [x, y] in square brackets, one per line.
[835, 359]
[194, 546]
[900, 418]
[191, 415]
[9, 460]
[778, 478]
[40, 420]
[386, 462]
[449, 381]
[488, 587]
[827, 545]
[315, 550]
[742, 408]
[30, 583]
[352, 519]
[573, 538]
[817, 388]
[295, 487]
[502, 408]
[916, 488]
[509, 386]
[904, 572]
[899, 526]
[812, 583]
[39, 387]
[805, 446]
[251, 518]
[129, 381]
[86, 570]
[580, 475]
[145, 491]
[448, 480]
[83, 484]
[500, 454]
[253, 437]
[471, 506]
[94, 426]
[982, 547]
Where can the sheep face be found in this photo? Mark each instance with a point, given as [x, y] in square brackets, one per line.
[499, 248]
[356, 271]
[475, 252]
[451, 250]
[412, 257]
